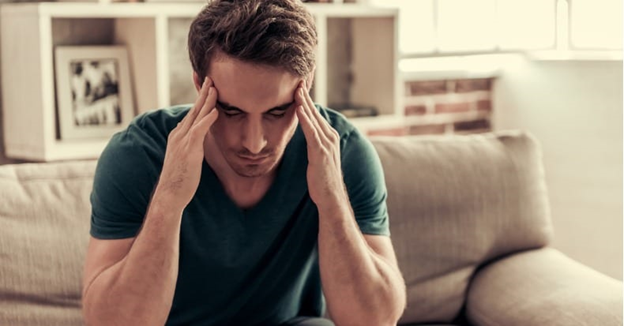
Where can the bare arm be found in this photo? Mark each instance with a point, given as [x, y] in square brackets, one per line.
[361, 280]
[121, 274]
[360, 277]
[132, 281]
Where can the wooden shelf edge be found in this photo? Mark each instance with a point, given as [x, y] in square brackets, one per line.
[58, 151]
[576, 55]
[190, 9]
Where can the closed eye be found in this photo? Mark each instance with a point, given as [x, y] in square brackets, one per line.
[232, 111]
[229, 112]
[277, 113]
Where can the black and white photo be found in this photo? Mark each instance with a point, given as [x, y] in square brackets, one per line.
[94, 96]
[95, 92]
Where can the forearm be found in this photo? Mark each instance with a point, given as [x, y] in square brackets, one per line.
[139, 289]
[361, 288]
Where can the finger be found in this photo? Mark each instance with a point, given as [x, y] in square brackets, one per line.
[209, 104]
[202, 126]
[309, 130]
[186, 123]
[299, 99]
[318, 118]
[310, 115]
[203, 93]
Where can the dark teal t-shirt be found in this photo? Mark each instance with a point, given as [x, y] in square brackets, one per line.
[237, 267]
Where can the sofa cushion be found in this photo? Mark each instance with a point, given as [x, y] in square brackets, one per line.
[543, 287]
[456, 202]
[44, 231]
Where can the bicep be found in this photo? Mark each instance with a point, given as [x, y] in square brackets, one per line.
[102, 255]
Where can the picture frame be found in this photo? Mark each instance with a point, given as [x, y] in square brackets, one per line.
[93, 91]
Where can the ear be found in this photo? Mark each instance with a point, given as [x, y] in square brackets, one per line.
[196, 81]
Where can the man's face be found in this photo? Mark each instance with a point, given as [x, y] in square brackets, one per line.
[256, 114]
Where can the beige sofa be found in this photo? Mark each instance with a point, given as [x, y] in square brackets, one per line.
[469, 220]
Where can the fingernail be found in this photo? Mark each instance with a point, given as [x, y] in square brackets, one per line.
[205, 79]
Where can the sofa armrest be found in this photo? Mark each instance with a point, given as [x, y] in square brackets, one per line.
[543, 287]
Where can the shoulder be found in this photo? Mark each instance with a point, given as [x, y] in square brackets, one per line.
[362, 173]
[143, 142]
[149, 131]
[354, 145]
[158, 122]
[338, 121]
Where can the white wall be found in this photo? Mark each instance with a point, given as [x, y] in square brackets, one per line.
[575, 109]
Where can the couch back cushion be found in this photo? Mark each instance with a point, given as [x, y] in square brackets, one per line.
[456, 202]
[44, 232]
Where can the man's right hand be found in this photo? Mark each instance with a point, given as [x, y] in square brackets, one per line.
[184, 157]
[121, 273]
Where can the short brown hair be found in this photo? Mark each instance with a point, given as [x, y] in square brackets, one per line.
[279, 33]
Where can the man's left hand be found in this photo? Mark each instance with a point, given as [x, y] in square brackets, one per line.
[324, 175]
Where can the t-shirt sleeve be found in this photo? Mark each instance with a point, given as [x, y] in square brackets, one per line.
[122, 187]
[364, 179]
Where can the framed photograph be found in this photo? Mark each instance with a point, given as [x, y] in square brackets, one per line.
[93, 91]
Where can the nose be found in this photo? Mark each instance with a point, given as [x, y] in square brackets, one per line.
[253, 136]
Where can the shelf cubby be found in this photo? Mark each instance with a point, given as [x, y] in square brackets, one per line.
[356, 63]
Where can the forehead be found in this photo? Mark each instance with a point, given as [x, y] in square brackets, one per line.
[252, 87]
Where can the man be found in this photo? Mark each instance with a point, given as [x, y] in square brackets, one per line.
[251, 207]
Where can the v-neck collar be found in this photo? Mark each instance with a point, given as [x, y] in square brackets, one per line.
[289, 185]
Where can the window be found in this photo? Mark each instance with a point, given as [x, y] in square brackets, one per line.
[466, 25]
[416, 27]
[526, 24]
[596, 24]
[429, 27]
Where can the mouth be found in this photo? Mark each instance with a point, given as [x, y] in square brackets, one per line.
[253, 159]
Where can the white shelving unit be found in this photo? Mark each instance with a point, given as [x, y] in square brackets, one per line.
[31, 31]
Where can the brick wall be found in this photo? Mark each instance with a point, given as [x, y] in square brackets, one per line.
[454, 106]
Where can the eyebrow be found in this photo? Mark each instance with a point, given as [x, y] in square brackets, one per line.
[228, 107]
